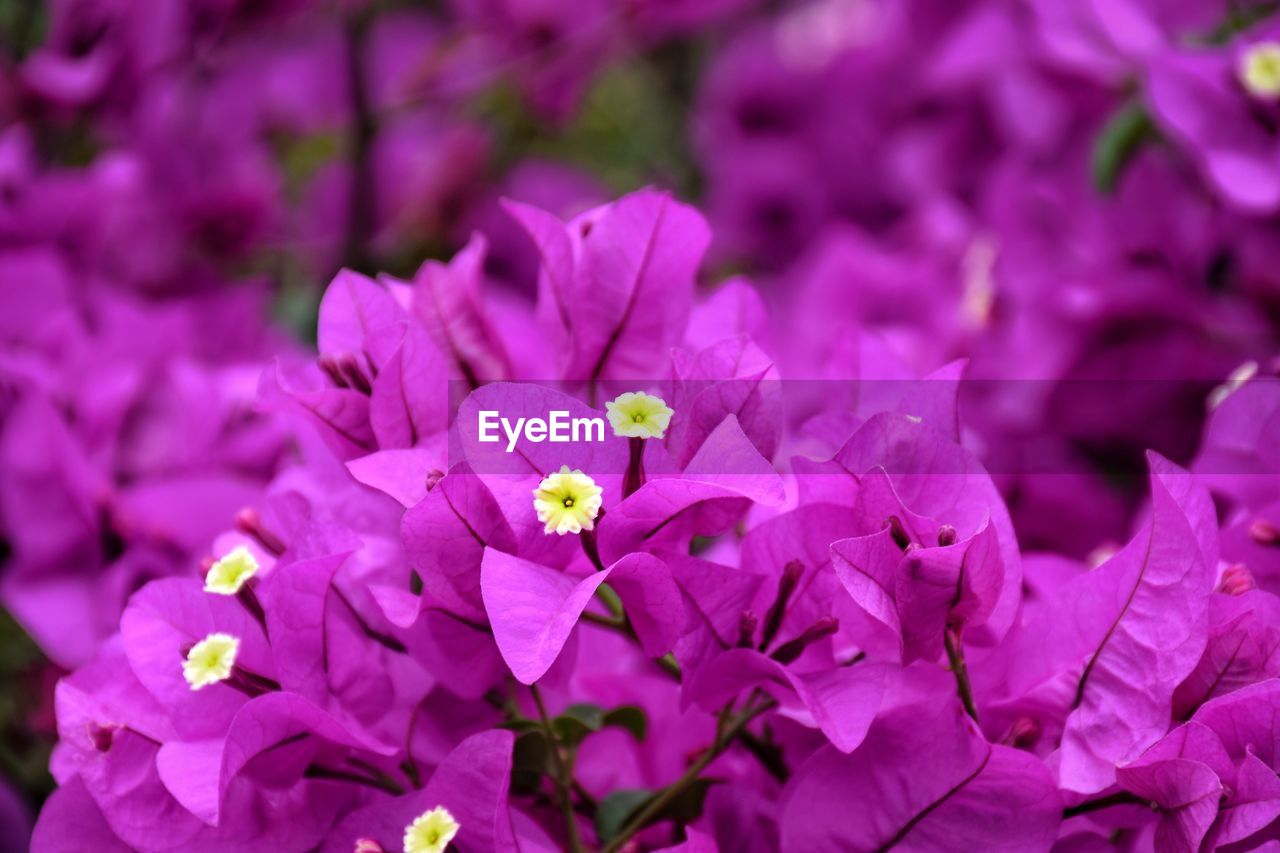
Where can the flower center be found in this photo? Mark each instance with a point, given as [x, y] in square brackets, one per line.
[567, 501]
[636, 414]
[210, 660]
[1259, 70]
[430, 832]
[231, 572]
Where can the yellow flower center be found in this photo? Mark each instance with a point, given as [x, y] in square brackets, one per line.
[227, 575]
[210, 660]
[1259, 70]
[567, 501]
[430, 831]
[636, 414]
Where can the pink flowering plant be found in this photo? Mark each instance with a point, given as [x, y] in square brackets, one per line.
[421, 633]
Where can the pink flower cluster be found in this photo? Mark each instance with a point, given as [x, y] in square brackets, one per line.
[777, 607]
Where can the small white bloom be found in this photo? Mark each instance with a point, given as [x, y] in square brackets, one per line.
[1259, 70]
[567, 501]
[230, 573]
[430, 831]
[636, 414]
[210, 660]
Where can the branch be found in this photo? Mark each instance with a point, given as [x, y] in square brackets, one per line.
[767, 753]
[727, 729]
[564, 773]
[361, 212]
[1122, 798]
[618, 620]
[385, 783]
[955, 654]
[623, 626]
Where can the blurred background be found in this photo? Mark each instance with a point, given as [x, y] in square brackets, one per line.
[906, 182]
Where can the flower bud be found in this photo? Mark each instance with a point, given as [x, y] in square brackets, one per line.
[1264, 532]
[790, 651]
[1236, 579]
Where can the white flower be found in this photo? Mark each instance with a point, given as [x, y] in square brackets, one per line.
[430, 831]
[567, 501]
[210, 660]
[636, 414]
[1259, 70]
[230, 573]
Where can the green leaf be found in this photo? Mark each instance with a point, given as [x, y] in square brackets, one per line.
[629, 131]
[629, 717]
[612, 812]
[591, 716]
[23, 26]
[525, 782]
[520, 726]
[1240, 18]
[532, 753]
[698, 544]
[687, 805]
[295, 307]
[1122, 138]
[530, 760]
[615, 810]
[578, 721]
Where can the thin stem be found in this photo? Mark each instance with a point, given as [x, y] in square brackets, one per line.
[360, 214]
[1121, 798]
[727, 729]
[955, 654]
[590, 548]
[670, 666]
[564, 772]
[623, 626]
[318, 771]
[767, 753]
[385, 640]
[635, 468]
[250, 683]
[249, 600]
[611, 601]
[610, 622]
[375, 772]
[588, 802]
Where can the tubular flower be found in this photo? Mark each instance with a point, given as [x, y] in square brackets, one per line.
[1259, 70]
[231, 572]
[210, 660]
[636, 414]
[430, 831]
[567, 501]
